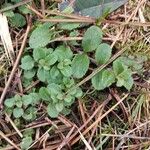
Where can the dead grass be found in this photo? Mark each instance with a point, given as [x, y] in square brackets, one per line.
[113, 120]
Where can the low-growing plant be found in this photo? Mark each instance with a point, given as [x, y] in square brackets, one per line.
[60, 69]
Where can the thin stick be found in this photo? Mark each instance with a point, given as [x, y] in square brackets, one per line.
[127, 136]
[90, 118]
[67, 39]
[8, 140]
[69, 20]
[14, 6]
[127, 23]
[72, 16]
[40, 138]
[97, 121]
[35, 11]
[14, 126]
[15, 66]
[65, 139]
[43, 7]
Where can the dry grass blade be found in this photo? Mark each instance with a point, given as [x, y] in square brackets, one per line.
[65, 139]
[85, 141]
[69, 20]
[15, 66]
[40, 138]
[9, 141]
[14, 126]
[98, 120]
[6, 39]
[91, 117]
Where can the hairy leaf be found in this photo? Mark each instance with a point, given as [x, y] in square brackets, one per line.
[103, 53]
[52, 111]
[40, 37]
[92, 38]
[80, 65]
[103, 79]
[27, 62]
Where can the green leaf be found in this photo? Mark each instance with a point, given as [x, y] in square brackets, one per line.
[55, 78]
[40, 37]
[30, 113]
[103, 53]
[54, 88]
[80, 65]
[54, 72]
[66, 71]
[79, 92]
[8, 13]
[18, 112]
[18, 100]
[17, 20]
[68, 98]
[118, 67]
[63, 52]
[28, 132]
[44, 94]
[52, 111]
[35, 98]
[29, 74]
[92, 38]
[59, 106]
[103, 79]
[10, 102]
[27, 62]
[27, 100]
[26, 142]
[18, 103]
[23, 9]
[51, 59]
[42, 74]
[41, 53]
[125, 79]
[68, 82]
[123, 74]
[66, 111]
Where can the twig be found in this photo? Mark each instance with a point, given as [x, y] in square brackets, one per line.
[98, 120]
[69, 20]
[72, 16]
[31, 86]
[127, 23]
[8, 140]
[40, 138]
[35, 11]
[14, 126]
[127, 136]
[43, 7]
[91, 117]
[64, 141]
[14, 6]
[66, 39]
[15, 66]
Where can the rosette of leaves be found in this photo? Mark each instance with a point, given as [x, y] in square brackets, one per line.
[58, 69]
[22, 106]
[54, 69]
